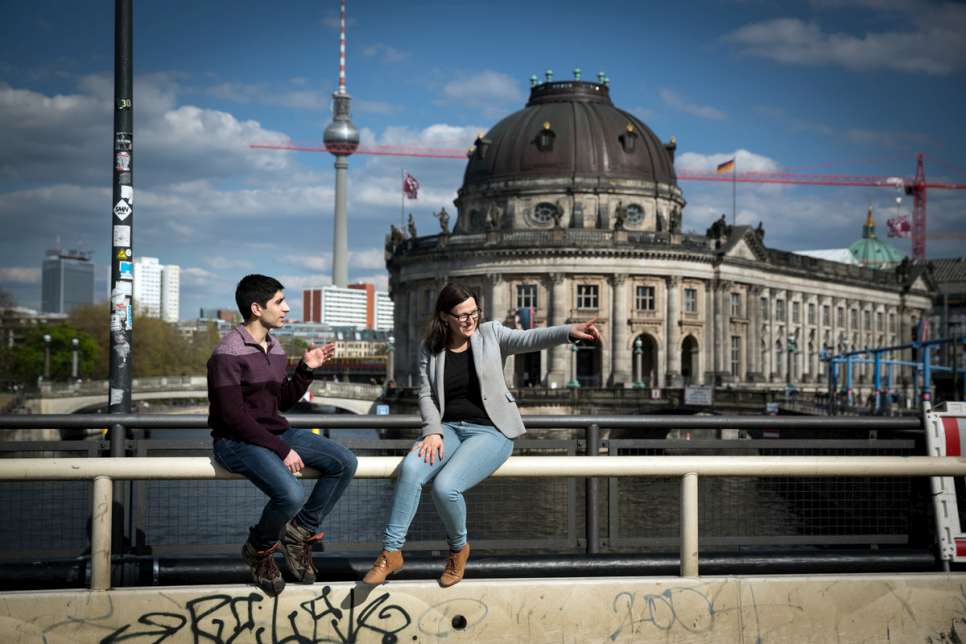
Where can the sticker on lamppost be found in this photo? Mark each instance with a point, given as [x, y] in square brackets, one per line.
[122, 235]
[122, 210]
[125, 270]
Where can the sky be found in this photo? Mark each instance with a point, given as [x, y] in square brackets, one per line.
[851, 87]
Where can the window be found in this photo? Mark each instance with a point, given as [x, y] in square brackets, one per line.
[544, 212]
[635, 214]
[736, 305]
[811, 313]
[526, 296]
[796, 312]
[644, 299]
[586, 296]
[840, 316]
[690, 300]
[826, 315]
[855, 319]
[764, 308]
[735, 355]
[780, 310]
[867, 320]
[879, 321]
[892, 323]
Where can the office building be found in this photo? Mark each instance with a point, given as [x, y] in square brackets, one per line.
[157, 289]
[359, 305]
[67, 280]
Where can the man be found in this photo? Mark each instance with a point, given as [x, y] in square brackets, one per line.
[247, 387]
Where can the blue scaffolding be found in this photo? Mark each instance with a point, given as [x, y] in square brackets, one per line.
[840, 369]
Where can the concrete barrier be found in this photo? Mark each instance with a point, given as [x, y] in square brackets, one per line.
[798, 609]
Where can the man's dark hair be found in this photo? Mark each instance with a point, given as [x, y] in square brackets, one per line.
[255, 288]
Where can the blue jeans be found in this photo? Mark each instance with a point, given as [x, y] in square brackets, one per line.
[263, 467]
[470, 454]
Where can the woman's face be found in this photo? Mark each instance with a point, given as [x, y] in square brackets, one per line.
[462, 320]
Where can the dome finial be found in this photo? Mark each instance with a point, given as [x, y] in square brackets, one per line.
[533, 80]
[548, 75]
[576, 73]
[600, 77]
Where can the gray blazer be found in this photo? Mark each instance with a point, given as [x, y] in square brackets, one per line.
[491, 344]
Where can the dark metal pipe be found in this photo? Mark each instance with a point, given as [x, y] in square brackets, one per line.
[591, 498]
[208, 570]
[335, 421]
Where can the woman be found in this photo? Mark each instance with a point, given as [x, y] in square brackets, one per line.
[469, 420]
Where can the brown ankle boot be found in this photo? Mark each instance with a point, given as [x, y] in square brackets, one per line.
[386, 564]
[455, 566]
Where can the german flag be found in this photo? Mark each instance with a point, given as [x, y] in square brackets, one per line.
[727, 166]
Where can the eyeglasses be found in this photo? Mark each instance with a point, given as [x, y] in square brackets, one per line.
[466, 317]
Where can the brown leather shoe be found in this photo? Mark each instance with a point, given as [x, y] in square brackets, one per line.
[455, 565]
[386, 564]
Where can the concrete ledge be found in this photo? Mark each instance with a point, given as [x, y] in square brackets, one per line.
[799, 609]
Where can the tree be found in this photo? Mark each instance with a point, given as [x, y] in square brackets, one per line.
[26, 359]
[6, 299]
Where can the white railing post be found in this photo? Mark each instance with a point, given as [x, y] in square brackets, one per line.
[101, 533]
[689, 525]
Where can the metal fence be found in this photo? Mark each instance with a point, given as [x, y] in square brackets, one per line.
[564, 513]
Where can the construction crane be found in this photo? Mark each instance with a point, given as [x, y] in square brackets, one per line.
[916, 186]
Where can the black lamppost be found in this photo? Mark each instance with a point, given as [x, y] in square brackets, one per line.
[390, 361]
[792, 350]
[46, 356]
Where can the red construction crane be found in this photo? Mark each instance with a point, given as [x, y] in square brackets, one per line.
[916, 186]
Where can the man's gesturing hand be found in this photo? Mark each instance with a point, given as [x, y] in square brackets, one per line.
[293, 461]
[317, 356]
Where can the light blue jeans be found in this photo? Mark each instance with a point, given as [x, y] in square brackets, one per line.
[470, 454]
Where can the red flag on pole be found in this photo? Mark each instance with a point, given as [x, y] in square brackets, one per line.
[410, 186]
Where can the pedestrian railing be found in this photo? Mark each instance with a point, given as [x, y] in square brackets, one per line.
[104, 472]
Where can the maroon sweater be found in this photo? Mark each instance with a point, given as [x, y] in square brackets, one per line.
[247, 388]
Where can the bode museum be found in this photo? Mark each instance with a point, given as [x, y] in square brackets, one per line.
[570, 209]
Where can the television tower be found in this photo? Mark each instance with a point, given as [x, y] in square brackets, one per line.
[341, 139]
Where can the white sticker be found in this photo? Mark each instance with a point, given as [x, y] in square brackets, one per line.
[122, 235]
[117, 321]
[117, 396]
[127, 194]
[122, 210]
[121, 289]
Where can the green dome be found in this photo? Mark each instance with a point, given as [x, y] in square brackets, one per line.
[872, 252]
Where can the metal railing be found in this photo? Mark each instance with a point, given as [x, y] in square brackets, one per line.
[104, 471]
[616, 466]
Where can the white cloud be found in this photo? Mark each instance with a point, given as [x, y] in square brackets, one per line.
[932, 40]
[746, 161]
[385, 53]
[678, 102]
[368, 259]
[20, 275]
[487, 88]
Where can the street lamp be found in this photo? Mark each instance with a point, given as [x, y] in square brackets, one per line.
[574, 383]
[390, 355]
[792, 350]
[638, 364]
[73, 358]
[46, 356]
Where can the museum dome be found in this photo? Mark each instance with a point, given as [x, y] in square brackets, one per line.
[872, 252]
[570, 129]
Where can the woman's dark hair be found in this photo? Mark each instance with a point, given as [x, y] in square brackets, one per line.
[255, 288]
[452, 294]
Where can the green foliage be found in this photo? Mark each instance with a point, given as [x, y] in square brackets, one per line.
[160, 349]
[293, 346]
[25, 361]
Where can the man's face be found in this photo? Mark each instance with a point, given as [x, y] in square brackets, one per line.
[272, 315]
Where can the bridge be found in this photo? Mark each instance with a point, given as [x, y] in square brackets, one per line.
[698, 594]
[71, 398]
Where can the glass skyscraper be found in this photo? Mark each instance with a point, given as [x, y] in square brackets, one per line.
[67, 281]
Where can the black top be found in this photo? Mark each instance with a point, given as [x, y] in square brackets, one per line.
[461, 389]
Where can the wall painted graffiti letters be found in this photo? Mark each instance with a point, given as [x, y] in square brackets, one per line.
[688, 608]
[223, 619]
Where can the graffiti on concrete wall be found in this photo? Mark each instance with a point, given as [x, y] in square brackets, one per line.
[222, 618]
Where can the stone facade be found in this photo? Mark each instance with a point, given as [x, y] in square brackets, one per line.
[578, 237]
